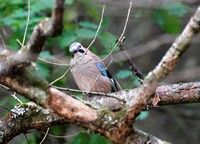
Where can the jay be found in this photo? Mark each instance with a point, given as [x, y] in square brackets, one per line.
[89, 72]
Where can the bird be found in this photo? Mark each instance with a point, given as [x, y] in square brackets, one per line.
[89, 71]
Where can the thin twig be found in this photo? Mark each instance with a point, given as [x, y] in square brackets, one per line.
[45, 135]
[7, 88]
[27, 23]
[5, 108]
[131, 64]
[16, 98]
[61, 77]
[117, 43]
[4, 46]
[100, 23]
[19, 42]
[53, 63]
[123, 32]
[64, 136]
[34, 66]
[94, 93]
[26, 138]
[56, 59]
[99, 26]
[99, 76]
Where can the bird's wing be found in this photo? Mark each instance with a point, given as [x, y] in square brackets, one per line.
[102, 69]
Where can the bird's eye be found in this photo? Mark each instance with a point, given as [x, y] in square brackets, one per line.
[74, 52]
[81, 50]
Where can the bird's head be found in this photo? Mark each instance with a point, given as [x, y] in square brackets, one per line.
[76, 47]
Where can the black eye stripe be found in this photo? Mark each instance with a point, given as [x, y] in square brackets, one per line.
[81, 51]
[74, 52]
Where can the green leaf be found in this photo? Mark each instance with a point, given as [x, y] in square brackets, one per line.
[8, 21]
[176, 9]
[87, 24]
[19, 14]
[45, 55]
[91, 10]
[69, 2]
[43, 70]
[12, 43]
[16, 2]
[169, 23]
[84, 33]
[143, 115]
[57, 130]
[108, 41]
[42, 5]
[84, 138]
[67, 39]
[8, 101]
[169, 16]
[122, 74]
[32, 139]
[136, 82]
[98, 138]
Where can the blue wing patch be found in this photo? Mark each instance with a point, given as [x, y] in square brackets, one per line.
[102, 69]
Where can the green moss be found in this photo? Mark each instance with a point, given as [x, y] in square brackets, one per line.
[109, 117]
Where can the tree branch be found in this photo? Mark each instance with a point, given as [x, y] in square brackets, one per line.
[49, 27]
[26, 117]
[164, 95]
[76, 112]
[31, 116]
[166, 65]
[178, 93]
[145, 47]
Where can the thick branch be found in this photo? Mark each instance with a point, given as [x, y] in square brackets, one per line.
[168, 62]
[166, 65]
[29, 52]
[26, 117]
[48, 97]
[48, 27]
[29, 116]
[164, 95]
[70, 108]
[76, 112]
[178, 93]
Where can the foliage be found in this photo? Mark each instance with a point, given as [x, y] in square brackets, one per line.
[84, 138]
[15, 14]
[127, 74]
[168, 17]
[122, 74]
[143, 115]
